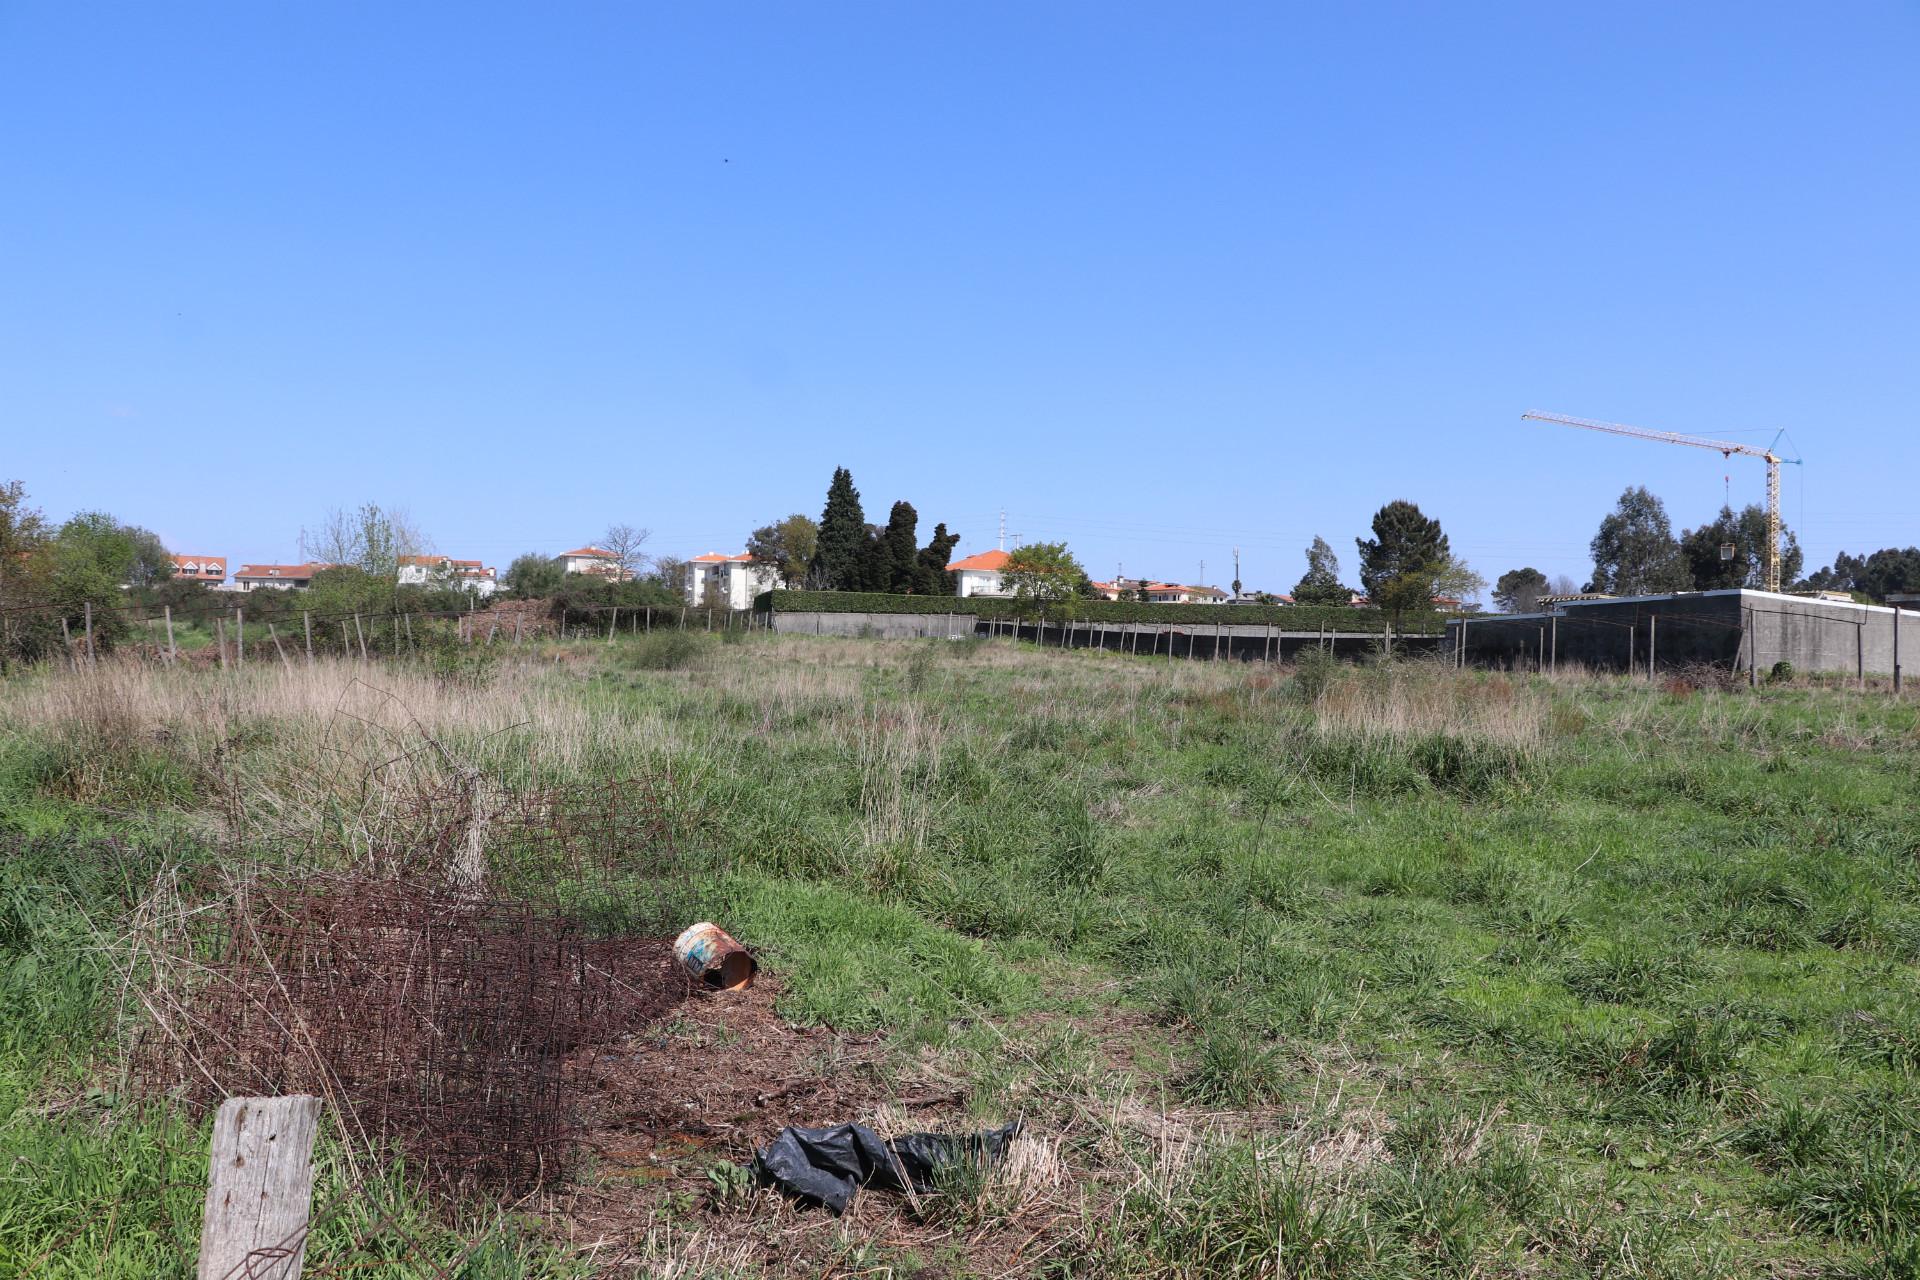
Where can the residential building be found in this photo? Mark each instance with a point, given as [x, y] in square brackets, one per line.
[596, 561]
[208, 569]
[1174, 593]
[979, 575]
[732, 581]
[469, 575]
[276, 577]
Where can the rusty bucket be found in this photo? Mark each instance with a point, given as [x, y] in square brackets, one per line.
[713, 957]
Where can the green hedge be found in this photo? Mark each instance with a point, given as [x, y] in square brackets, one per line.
[1286, 617]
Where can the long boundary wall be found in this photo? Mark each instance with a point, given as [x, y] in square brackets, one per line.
[1739, 629]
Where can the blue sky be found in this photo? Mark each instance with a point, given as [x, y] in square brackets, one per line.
[1159, 280]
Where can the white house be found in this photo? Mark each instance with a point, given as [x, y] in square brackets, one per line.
[736, 580]
[1175, 593]
[468, 575]
[276, 577]
[979, 575]
[593, 560]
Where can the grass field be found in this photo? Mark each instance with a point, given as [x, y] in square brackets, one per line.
[1320, 971]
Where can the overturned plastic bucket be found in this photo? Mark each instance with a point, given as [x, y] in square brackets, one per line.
[714, 958]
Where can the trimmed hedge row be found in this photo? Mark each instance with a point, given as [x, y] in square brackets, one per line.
[1286, 617]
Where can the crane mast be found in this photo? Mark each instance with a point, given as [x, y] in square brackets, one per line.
[1725, 448]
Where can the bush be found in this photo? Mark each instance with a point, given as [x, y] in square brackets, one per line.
[665, 651]
[1782, 673]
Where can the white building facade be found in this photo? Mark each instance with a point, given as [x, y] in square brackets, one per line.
[594, 560]
[979, 575]
[733, 580]
[470, 576]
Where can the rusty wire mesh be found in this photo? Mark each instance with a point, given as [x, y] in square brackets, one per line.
[434, 995]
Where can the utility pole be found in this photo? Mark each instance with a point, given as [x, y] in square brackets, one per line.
[1236, 573]
[1003, 528]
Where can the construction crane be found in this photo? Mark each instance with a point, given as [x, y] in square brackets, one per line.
[1726, 448]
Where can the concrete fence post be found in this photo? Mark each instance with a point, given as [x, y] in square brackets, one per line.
[1896, 650]
[1753, 653]
[1653, 638]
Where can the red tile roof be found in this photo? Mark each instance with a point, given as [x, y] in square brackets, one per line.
[987, 560]
[714, 557]
[279, 570]
[437, 561]
[202, 564]
[591, 551]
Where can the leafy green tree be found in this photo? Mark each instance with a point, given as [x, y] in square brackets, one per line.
[124, 553]
[1747, 532]
[1400, 564]
[1635, 552]
[1888, 571]
[839, 560]
[533, 575]
[1519, 590]
[930, 572]
[1322, 584]
[787, 545]
[25, 569]
[1044, 580]
[1455, 579]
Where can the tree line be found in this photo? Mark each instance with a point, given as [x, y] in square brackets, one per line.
[1636, 552]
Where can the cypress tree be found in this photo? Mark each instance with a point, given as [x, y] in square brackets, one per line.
[837, 559]
[898, 553]
[930, 576]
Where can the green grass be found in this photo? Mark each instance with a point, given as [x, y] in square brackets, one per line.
[1626, 978]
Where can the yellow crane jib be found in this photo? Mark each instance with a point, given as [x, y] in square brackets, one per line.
[1726, 448]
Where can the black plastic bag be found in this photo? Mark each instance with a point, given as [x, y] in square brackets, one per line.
[827, 1166]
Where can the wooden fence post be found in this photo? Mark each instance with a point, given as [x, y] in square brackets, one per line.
[274, 636]
[220, 638]
[173, 654]
[240, 635]
[259, 1189]
[1896, 650]
[361, 636]
[613, 620]
[89, 633]
[1653, 642]
[306, 623]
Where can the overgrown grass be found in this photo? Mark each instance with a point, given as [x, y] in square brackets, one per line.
[1626, 974]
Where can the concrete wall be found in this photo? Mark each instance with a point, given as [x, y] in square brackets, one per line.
[1734, 629]
[886, 626]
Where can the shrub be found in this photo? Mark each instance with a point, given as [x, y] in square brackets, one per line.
[665, 651]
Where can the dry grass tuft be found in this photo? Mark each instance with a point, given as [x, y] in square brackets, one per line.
[1409, 702]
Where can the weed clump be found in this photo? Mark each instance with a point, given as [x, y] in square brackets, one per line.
[664, 651]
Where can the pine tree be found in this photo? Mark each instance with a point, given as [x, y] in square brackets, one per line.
[1399, 564]
[839, 557]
